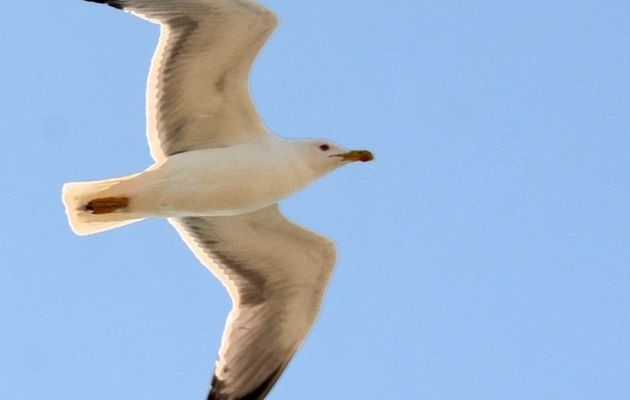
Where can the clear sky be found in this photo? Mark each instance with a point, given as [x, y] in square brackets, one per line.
[484, 255]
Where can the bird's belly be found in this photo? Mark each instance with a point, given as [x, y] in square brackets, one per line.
[214, 201]
[220, 192]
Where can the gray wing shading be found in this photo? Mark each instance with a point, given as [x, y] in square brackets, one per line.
[198, 90]
[276, 273]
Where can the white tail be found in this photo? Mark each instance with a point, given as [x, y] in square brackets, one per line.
[75, 197]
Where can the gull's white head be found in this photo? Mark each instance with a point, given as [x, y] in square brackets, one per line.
[324, 156]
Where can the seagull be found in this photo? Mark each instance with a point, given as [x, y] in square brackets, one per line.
[217, 177]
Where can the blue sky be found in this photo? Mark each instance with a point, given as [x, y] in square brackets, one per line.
[484, 255]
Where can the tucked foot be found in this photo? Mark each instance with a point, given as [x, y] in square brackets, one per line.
[106, 205]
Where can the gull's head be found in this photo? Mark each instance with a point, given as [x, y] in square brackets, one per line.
[324, 156]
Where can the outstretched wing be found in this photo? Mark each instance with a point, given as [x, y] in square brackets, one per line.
[276, 273]
[198, 91]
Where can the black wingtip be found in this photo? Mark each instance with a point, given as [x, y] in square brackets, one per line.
[258, 393]
[214, 389]
[114, 3]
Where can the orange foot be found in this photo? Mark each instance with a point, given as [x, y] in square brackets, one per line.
[106, 205]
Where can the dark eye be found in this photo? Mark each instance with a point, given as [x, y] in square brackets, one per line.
[324, 147]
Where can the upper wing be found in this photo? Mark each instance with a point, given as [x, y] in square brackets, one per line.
[198, 92]
[276, 273]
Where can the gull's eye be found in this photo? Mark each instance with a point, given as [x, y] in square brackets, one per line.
[324, 147]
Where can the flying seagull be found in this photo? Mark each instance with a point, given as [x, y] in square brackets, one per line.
[217, 177]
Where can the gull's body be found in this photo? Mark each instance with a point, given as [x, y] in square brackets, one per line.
[216, 182]
[217, 176]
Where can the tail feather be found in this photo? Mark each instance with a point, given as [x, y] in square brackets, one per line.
[80, 198]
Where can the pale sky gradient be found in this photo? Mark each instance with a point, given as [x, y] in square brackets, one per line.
[485, 255]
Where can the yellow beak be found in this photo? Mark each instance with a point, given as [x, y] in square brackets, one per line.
[356, 155]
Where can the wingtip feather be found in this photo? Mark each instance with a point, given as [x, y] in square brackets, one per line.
[113, 3]
[258, 393]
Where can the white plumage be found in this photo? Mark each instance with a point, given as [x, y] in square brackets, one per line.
[217, 177]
